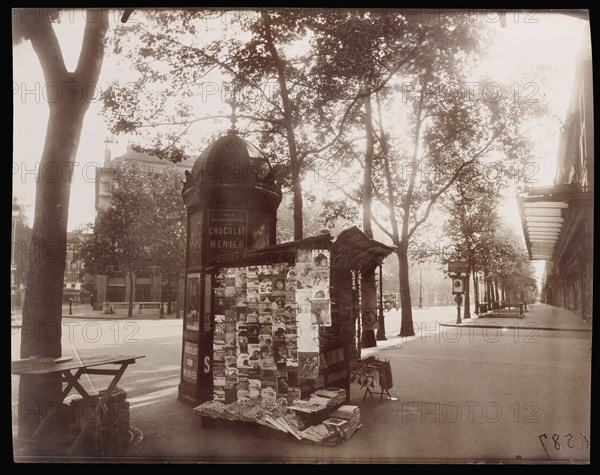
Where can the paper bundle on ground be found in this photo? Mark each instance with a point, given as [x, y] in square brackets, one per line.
[335, 395]
[344, 421]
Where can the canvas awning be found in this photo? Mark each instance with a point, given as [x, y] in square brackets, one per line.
[543, 212]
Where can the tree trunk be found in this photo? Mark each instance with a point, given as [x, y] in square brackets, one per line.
[496, 294]
[368, 285]
[406, 326]
[395, 232]
[131, 291]
[288, 120]
[467, 312]
[476, 292]
[298, 205]
[42, 310]
[367, 191]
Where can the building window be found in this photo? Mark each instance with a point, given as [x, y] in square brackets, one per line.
[115, 293]
[143, 293]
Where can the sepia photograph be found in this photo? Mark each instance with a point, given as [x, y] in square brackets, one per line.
[268, 235]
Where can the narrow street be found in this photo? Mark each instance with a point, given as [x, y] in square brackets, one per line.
[472, 393]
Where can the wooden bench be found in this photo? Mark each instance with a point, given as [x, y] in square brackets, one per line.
[513, 307]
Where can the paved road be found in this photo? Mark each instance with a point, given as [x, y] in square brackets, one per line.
[459, 394]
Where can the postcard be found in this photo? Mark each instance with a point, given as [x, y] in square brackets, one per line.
[308, 365]
[320, 311]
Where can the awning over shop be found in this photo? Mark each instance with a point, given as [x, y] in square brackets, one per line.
[543, 212]
[352, 250]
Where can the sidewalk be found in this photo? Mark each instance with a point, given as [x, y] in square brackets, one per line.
[475, 397]
[86, 312]
[460, 400]
[539, 316]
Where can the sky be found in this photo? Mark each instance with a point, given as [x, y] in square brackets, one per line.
[526, 45]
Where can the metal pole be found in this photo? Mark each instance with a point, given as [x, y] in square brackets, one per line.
[381, 326]
[458, 300]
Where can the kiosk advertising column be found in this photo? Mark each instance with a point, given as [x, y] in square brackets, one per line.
[231, 200]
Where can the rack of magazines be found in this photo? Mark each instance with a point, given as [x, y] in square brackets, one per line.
[321, 418]
[370, 373]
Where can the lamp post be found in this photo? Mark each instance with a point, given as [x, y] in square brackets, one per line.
[381, 326]
[458, 300]
[458, 272]
[13, 267]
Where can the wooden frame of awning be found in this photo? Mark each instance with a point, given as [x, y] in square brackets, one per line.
[543, 212]
[352, 250]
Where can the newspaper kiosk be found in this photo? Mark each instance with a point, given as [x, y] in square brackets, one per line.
[269, 329]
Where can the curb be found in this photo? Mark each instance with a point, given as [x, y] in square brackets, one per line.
[118, 317]
[512, 327]
[101, 317]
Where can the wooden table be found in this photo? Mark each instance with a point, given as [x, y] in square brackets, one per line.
[71, 372]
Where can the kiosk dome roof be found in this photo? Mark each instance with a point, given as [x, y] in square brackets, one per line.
[231, 159]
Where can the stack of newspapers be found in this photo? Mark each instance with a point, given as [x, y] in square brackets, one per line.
[336, 396]
[319, 400]
[341, 425]
[344, 421]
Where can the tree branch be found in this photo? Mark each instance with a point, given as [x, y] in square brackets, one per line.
[387, 233]
[357, 98]
[46, 46]
[92, 48]
[454, 177]
[199, 119]
[222, 64]
[350, 197]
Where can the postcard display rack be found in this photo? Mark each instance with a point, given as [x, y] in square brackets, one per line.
[280, 355]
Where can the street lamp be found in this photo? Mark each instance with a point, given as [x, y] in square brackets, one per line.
[458, 272]
[13, 267]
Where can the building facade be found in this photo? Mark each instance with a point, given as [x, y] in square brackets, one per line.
[558, 220]
[116, 287]
[72, 284]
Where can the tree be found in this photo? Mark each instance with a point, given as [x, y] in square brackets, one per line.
[42, 309]
[436, 62]
[367, 50]
[143, 227]
[292, 74]
[472, 221]
[509, 271]
[443, 130]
